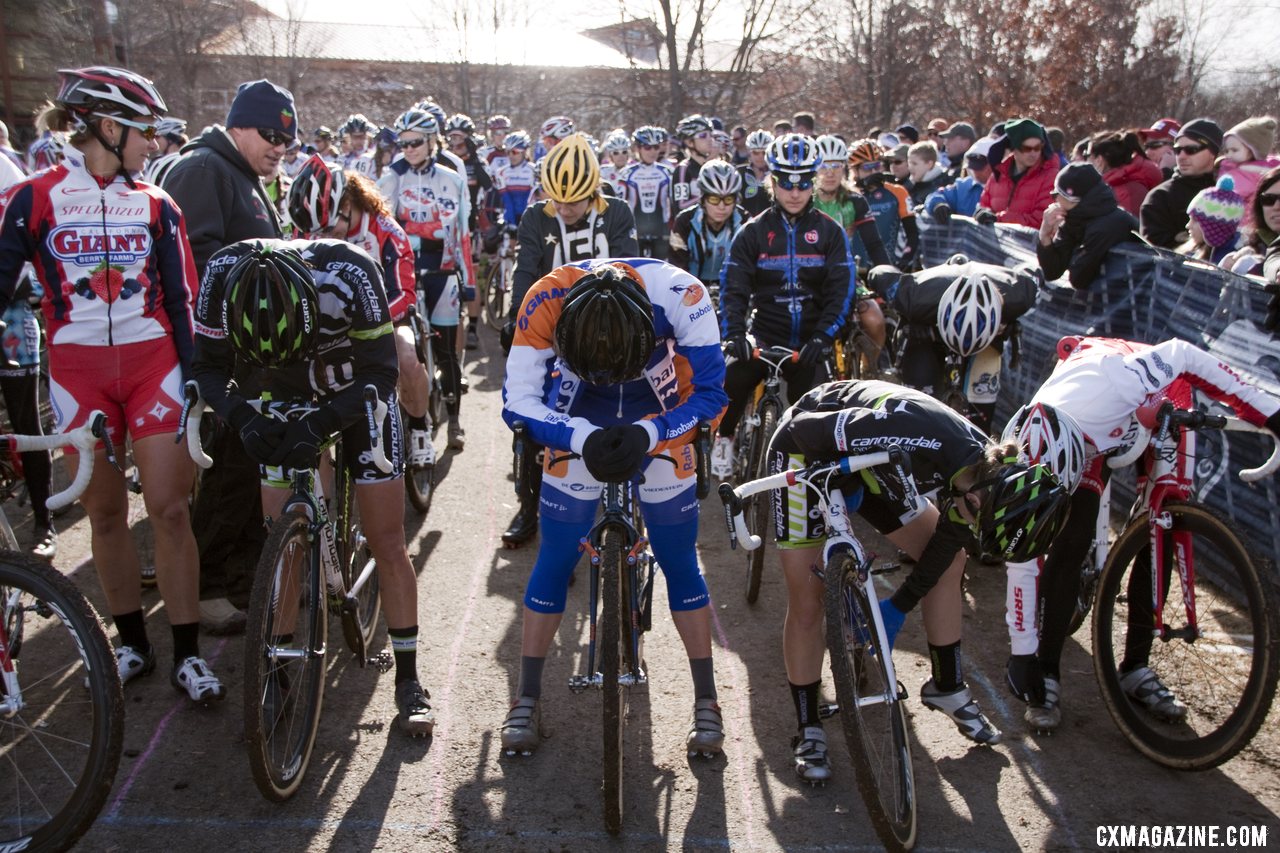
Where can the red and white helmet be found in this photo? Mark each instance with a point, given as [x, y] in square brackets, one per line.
[103, 91]
[557, 127]
[315, 195]
[1052, 438]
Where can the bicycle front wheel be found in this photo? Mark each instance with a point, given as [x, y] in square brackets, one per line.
[284, 657]
[759, 508]
[497, 294]
[1218, 649]
[62, 726]
[871, 707]
[612, 624]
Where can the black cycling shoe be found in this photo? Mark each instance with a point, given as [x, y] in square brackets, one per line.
[523, 527]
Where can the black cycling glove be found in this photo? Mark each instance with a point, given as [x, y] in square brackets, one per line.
[738, 347]
[816, 350]
[985, 216]
[615, 453]
[259, 434]
[1025, 678]
[942, 213]
[300, 446]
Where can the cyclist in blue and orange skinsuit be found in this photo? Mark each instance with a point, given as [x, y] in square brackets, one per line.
[617, 361]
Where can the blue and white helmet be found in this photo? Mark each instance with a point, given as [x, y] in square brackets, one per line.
[793, 154]
[649, 135]
[437, 112]
[969, 314]
[417, 120]
[518, 140]
[616, 141]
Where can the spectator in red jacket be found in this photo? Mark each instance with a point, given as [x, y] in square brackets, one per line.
[1125, 167]
[1021, 185]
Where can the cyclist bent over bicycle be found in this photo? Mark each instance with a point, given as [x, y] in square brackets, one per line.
[991, 504]
[616, 361]
[1101, 385]
[311, 318]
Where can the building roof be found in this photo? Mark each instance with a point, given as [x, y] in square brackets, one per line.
[263, 36]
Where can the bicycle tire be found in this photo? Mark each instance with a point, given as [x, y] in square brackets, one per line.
[280, 748]
[876, 734]
[63, 747]
[419, 480]
[612, 565]
[497, 295]
[759, 510]
[1200, 672]
[358, 623]
[1086, 592]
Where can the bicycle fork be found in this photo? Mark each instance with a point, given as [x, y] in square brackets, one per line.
[638, 606]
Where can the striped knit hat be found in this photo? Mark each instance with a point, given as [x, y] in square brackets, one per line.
[1219, 211]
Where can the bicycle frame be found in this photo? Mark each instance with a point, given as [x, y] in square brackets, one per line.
[1170, 455]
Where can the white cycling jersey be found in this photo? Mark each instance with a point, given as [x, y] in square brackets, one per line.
[647, 189]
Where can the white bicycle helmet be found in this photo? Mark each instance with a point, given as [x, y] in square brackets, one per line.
[793, 154]
[617, 140]
[417, 120]
[759, 140]
[832, 149]
[156, 169]
[649, 135]
[1052, 438]
[724, 140]
[716, 177]
[557, 127]
[517, 140]
[969, 314]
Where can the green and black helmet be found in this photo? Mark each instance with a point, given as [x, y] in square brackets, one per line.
[1024, 510]
[272, 311]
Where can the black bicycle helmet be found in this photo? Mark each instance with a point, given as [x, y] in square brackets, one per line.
[605, 333]
[272, 312]
[1024, 510]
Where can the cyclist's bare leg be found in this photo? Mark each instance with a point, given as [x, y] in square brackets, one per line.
[167, 474]
[414, 384]
[871, 318]
[803, 643]
[694, 627]
[942, 606]
[537, 632]
[114, 554]
[382, 520]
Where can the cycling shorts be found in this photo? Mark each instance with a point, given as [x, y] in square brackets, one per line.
[798, 521]
[439, 294]
[357, 457]
[137, 385]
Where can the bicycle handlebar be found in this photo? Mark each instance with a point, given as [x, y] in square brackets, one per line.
[83, 439]
[1169, 416]
[733, 498]
[193, 409]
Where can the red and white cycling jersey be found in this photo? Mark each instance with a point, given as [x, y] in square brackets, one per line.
[114, 261]
[1104, 382]
[432, 205]
[388, 244]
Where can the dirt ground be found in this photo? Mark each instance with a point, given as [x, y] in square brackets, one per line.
[184, 783]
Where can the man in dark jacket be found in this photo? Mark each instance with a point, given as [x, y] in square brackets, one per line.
[1081, 226]
[1164, 212]
[218, 183]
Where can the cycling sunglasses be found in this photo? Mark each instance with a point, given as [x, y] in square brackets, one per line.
[796, 184]
[412, 143]
[1189, 150]
[720, 199]
[148, 131]
[868, 167]
[274, 137]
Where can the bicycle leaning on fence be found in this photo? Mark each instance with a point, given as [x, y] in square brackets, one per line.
[61, 701]
[870, 699]
[315, 561]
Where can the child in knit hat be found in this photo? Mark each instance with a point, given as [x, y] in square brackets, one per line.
[1246, 153]
[1216, 214]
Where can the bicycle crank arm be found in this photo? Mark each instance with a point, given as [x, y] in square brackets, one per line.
[579, 683]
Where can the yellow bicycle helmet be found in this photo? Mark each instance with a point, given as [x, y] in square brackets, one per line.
[570, 171]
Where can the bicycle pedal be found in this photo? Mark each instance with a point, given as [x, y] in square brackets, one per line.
[383, 660]
[705, 754]
[523, 753]
[827, 710]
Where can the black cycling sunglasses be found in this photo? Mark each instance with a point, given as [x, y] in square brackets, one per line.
[274, 137]
[411, 143]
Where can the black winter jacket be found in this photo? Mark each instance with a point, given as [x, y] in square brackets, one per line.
[221, 197]
[1085, 237]
[1164, 211]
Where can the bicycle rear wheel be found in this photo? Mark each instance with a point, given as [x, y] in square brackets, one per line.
[497, 294]
[1224, 671]
[60, 746]
[284, 655]
[612, 622]
[871, 707]
[361, 621]
[759, 508]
